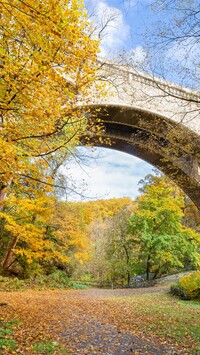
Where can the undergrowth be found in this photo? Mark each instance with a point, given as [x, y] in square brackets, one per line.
[57, 280]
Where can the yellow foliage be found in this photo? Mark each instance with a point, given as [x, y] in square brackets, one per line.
[47, 66]
[191, 284]
[47, 69]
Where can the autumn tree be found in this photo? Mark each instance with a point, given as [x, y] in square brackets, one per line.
[144, 236]
[98, 266]
[42, 231]
[100, 218]
[24, 223]
[47, 68]
[69, 229]
[104, 209]
[191, 216]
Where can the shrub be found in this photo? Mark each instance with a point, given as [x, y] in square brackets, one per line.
[191, 284]
[176, 290]
[188, 287]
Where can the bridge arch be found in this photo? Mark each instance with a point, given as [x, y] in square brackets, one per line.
[172, 148]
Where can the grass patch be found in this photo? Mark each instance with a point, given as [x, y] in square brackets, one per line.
[47, 348]
[165, 316]
[7, 342]
[190, 303]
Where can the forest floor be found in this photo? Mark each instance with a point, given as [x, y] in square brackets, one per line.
[98, 321]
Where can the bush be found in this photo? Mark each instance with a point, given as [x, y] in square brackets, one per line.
[191, 283]
[176, 290]
[188, 287]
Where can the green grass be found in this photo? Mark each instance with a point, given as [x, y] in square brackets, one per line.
[7, 341]
[47, 348]
[8, 344]
[165, 316]
[190, 303]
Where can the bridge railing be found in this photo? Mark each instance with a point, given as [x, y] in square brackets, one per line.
[135, 75]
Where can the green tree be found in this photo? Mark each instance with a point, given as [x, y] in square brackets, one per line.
[121, 247]
[157, 224]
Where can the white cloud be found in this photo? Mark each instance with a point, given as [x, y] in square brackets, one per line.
[110, 174]
[137, 57]
[110, 25]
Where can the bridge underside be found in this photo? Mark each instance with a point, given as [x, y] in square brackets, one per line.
[170, 147]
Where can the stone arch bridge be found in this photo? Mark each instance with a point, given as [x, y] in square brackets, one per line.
[154, 120]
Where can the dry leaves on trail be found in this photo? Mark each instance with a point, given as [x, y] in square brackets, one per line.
[89, 322]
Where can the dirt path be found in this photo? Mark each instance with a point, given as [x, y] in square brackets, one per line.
[90, 322]
[96, 293]
[91, 331]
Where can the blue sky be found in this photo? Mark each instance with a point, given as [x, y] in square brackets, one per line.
[108, 173]
[134, 28]
[100, 173]
[124, 31]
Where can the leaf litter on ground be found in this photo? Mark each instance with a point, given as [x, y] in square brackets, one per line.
[94, 321]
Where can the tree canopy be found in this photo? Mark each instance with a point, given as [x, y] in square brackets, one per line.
[157, 225]
[47, 67]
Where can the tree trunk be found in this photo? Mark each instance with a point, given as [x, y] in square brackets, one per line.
[148, 267]
[2, 227]
[8, 259]
[3, 194]
[127, 263]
